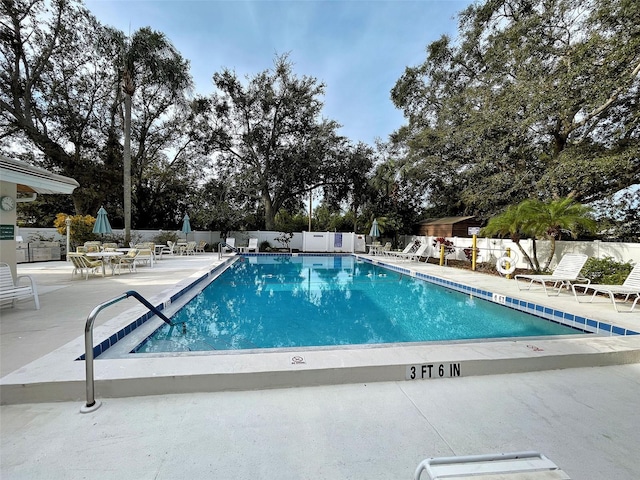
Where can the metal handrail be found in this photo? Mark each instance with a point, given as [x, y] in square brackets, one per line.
[91, 404]
[225, 244]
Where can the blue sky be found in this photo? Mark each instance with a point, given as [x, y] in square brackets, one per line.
[358, 48]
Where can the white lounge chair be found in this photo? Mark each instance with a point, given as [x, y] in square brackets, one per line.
[631, 286]
[517, 465]
[566, 272]
[230, 244]
[11, 290]
[411, 247]
[253, 245]
[417, 255]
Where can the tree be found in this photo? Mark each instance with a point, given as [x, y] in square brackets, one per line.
[350, 188]
[52, 88]
[268, 133]
[61, 100]
[539, 97]
[554, 218]
[149, 58]
[539, 219]
[511, 223]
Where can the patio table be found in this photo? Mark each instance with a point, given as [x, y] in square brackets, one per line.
[104, 256]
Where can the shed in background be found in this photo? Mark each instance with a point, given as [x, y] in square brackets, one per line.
[448, 226]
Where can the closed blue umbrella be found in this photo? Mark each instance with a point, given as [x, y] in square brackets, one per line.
[186, 225]
[374, 232]
[102, 224]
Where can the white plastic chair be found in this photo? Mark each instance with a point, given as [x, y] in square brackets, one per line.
[253, 245]
[631, 286]
[567, 271]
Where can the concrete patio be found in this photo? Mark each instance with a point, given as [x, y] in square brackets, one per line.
[584, 419]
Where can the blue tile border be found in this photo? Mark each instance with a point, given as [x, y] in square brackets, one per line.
[546, 313]
[120, 334]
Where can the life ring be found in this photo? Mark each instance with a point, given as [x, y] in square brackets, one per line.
[501, 265]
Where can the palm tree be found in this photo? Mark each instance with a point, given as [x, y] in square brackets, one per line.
[554, 218]
[149, 57]
[510, 223]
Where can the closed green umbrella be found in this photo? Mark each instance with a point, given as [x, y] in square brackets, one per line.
[102, 224]
[374, 232]
[186, 225]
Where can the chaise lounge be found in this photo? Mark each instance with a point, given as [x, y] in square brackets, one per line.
[566, 272]
[631, 286]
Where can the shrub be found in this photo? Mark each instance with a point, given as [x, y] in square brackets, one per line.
[163, 237]
[265, 246]
[81, 228]
[448, 245]
[284, 239]
[606, 270]
[468, 252]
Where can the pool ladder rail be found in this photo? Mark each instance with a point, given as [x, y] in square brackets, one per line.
[92, 405]
[222, 246]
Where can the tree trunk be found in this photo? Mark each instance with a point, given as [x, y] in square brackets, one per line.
[552, 253]
[269, 214]
[127, 169]
[534, 247]
[525, 255]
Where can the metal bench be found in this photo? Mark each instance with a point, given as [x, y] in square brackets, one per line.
[11, 290]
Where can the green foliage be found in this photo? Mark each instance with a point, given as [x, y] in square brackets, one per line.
[81, 229]
[163, 237]
[523, 107]
[606, 270]
[286, 222]
[269, 135]
[541, 220]
[265, 246]
[58, 53]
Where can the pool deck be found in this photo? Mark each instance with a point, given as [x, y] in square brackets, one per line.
[574, 400]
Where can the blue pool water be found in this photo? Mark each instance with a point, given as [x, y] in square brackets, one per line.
[284, 301]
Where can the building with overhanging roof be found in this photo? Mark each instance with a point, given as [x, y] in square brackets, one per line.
[21, 182]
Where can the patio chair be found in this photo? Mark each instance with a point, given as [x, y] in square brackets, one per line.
[188, 249]
[128, 260]
[84, 265]
[630, 286]
[145, 253]
[566, 272]
[253, 245]
[169, 248]
[11, 290]
[200, 247]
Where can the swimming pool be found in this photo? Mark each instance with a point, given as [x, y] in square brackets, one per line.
[310, 301]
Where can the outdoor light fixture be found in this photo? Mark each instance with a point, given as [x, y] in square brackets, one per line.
[67, 222]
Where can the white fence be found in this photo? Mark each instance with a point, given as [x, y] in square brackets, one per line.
[490, 248]
[315, 241]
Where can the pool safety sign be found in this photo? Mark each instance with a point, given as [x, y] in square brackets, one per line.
[433, 370]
